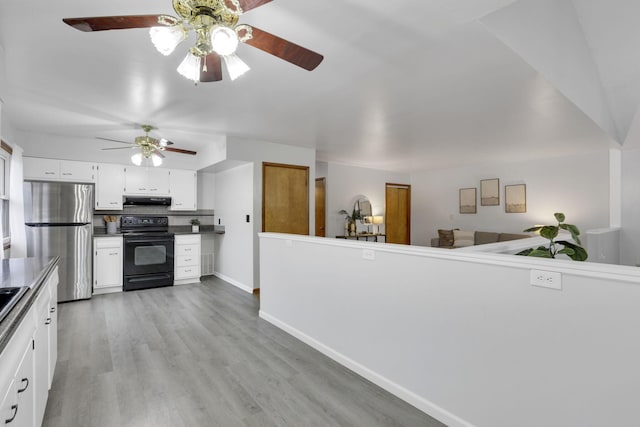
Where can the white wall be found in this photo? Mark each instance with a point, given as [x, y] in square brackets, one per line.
[206, 190]
[346, 184]
[233, 197]
[630, 233]
[464, 336]
[257, 151]
[577, 186]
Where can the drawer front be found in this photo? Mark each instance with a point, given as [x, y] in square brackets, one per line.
[190, 250]
[188, 239]
[187, 272]
[187, 260]
[108, 242]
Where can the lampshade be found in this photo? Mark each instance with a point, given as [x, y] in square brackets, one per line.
[165, 39]
[235, 66]
[224, 41]
[136, 159]
[378, 219]
[190, 67]
[156, 159]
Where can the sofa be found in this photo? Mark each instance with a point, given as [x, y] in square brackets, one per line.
[451, 239]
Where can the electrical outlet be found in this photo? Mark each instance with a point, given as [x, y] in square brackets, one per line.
[546, 279]
[368, 254]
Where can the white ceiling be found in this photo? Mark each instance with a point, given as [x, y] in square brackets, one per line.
[426, 85]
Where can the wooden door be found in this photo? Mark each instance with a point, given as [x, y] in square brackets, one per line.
[321, 195]
[398, 213]
[285, 198]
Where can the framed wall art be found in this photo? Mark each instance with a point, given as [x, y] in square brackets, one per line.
[515, 198]
[468, 201]
[490, 192]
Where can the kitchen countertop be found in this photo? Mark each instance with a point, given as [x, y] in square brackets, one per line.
[22, 272]
[178, 229]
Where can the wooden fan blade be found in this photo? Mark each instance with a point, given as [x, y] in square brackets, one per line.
[247, 5]
[159, 153]
[115, 140]
[180, 150]
[284, 49]
[213, 71]
[102, 23]
[117, 148]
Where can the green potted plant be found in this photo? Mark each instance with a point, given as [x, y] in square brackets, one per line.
[556, 247]
[195, 225]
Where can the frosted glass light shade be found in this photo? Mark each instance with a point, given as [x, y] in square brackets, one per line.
[136, 159]
[165, 39]
[235, 66]
[190, 67]
[224, 41]
[156, 159]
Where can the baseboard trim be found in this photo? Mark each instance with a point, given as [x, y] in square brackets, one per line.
[408, 396]
[247, 289]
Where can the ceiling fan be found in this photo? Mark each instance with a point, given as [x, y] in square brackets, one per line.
[148, 147]
[215, 23]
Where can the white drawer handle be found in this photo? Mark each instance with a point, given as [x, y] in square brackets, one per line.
[49, 173]
[113, 253]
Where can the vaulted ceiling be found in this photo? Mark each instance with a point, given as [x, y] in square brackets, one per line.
[405, 85]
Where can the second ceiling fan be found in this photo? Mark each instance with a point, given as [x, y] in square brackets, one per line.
[215, 23]
[148, 147]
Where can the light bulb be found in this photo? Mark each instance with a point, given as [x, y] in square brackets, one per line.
[224, 41]
[190, 67]
[136, 159]
[156, 159]
[235, 66]
[165, 39]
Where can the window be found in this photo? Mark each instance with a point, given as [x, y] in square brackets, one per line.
[5, 161]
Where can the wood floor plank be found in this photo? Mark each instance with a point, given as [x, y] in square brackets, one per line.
[199, 355]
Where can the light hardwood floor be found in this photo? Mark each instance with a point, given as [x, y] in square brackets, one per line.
[199, 355]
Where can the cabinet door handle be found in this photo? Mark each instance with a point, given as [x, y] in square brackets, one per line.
[187, 259]
[113, 253]
[48, 322]
[26, 386]
[113, 203]
[49, 173]
[53, 310]
[66, 173]
[15, 413]
[187, 249]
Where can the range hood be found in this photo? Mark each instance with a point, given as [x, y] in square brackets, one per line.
[146, 201]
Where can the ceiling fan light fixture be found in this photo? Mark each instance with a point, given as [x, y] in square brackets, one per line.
[224, 40]
[162, 142]
[165, 39]
[156, 159]
[136, 159]
[235, 66]
[190, 67]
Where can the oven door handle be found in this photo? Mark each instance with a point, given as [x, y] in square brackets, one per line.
[147, 240]
[151, 277]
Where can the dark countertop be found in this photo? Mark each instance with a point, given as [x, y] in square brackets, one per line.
[178, 229]
[22, 272]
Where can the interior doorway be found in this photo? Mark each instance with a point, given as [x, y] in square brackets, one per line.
[398, 213]
[285, 198]
[321, 200]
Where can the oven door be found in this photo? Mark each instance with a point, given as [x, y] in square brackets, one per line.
[145, 255]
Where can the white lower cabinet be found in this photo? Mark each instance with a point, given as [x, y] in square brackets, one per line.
[107, 264]
[187, 259]
[26, 361]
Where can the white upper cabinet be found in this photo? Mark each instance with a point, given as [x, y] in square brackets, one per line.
[183, 189]
[58, 170]
[109, 186]
[77, 171]
[146, 181]
[36, 168]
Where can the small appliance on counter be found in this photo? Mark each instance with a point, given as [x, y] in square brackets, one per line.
[148, 252]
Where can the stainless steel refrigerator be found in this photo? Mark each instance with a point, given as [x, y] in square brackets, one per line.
[58, 222]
